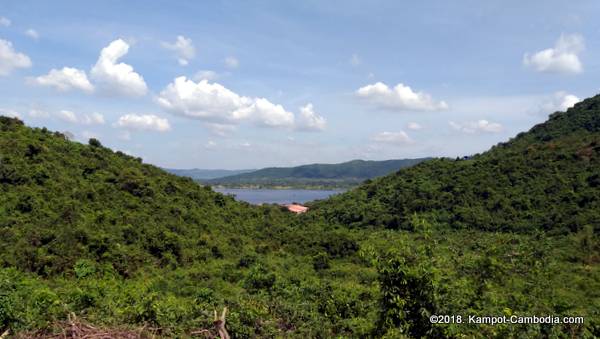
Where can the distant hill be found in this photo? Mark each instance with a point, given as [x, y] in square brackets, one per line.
[205, 174]
[345, 174]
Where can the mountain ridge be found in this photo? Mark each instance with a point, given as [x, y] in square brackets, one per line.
[349, 173]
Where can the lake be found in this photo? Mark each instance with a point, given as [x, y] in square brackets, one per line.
[271, 196]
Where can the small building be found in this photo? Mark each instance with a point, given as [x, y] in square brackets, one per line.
[296, 208]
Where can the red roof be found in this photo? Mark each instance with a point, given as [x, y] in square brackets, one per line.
[296, 208]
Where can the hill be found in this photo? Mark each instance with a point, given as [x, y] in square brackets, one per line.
[341, 175]
[546, 179]
[205, 174]
[99, 234]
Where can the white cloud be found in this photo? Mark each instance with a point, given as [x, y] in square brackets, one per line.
[205, 75]
[309, 120]
[265, 113]
[355, 60]
[221, 129]
[477, 126]
[146, 122]
[65, 79]
[92, 119]
[232, 62]
[214, 103]
[85, 119]
[11, 59]
[183, 48]
[560, 101]
[4, 21]
[86, 135]
[396, 138]
[36, 113]
[562, 58]
[10, 113]
[32, 33]
[210, 144]
[118, 78]
[414, 126]
[67, 116]
[399, 98]
[203, 100]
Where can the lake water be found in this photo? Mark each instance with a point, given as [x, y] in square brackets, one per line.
[269, 196]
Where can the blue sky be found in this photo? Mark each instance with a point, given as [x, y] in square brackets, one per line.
[249, 84]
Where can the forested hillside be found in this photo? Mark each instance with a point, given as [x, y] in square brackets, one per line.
[343, 175]
[95, 235]
[547, 179]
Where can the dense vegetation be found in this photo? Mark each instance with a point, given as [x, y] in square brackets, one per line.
[205, 174]
[344, 175]
[119, 243]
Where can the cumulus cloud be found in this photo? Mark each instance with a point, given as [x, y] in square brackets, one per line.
[147, 122]
[478, 126]
[205, 75]
[214, 103]
[4, 21]
[83, 119]
[117, 78]
[232, 62]
[399, 98]
[183, 48]
[396, 138]
[414, 126]
[562, 58]
[265, 113]
[65, 79]
[308, 120]
[11, 59]
[560, 101]
[32, 33]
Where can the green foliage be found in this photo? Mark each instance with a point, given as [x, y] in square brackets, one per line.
[408, 298]
[259, 278]
[84, 268]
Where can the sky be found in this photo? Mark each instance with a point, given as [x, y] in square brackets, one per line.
[251, 84]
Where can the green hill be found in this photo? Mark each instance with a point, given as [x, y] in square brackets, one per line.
[345, 174]
[545, 179]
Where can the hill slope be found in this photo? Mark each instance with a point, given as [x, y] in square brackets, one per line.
[545, 179]
[344, 174]
[61, 201]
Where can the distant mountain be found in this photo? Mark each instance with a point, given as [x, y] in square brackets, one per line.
[205, 174]
[345, 174]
